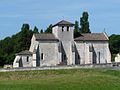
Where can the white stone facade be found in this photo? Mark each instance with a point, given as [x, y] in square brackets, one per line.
[60, 48]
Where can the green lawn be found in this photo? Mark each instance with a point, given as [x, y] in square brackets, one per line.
[74, 79]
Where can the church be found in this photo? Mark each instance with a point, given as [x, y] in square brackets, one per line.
[61, 48]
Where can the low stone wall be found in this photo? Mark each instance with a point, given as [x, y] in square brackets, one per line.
[109, 65]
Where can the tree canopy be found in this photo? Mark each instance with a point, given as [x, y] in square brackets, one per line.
[35, 30]
[41, 31]
[84, 23]
[114, 45]
[76, 29]
[12, 45]
[49, 29]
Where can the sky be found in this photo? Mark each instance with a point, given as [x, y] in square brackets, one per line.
[103, 14]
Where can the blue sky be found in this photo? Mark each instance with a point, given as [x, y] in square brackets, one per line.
[41, 13]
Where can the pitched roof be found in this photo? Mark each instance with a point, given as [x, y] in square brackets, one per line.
[26, 52]
[92, 37]
[63, 22]
[45, 37]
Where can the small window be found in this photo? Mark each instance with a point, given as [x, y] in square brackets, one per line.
[64, 57]
[67, 28]
[91, 48]
[62, 28]
[78, 56]
[99, 56]
[42, 56]
[59, 47]
[27, 59]
[73, 48]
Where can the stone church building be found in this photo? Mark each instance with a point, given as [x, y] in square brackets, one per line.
[61, 48]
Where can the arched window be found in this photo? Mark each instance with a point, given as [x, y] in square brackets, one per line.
[62, 28]
[42, 56]
[27, 59]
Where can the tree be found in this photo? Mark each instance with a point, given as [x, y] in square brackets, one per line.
[76, 30]
[35, 30]
[6, 50]
[114, 41]
[84, 23]
[25, 37]
[41, 31]
[12, 45]
[49, 29]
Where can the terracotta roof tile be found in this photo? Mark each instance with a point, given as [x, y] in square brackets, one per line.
[92, 37]
[26, 52]
[45, 37]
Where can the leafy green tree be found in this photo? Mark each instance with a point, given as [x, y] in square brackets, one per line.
[76, 29]
[114, 41]
[6, 49]
[49, 29]
[24, 39]
[12, 45]
[41, 31]
[84, 23]
[35, 30]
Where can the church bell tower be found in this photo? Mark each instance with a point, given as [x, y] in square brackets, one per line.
[63, 30]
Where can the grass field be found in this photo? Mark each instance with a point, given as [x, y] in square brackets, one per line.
[74, 79]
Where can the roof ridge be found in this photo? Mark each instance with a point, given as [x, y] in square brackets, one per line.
[92, 37]
[91, 33]
[63, 22]
[43, 33]
[46, 36]
[26, 52]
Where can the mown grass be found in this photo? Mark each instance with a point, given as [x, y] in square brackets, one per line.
[74, 79]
